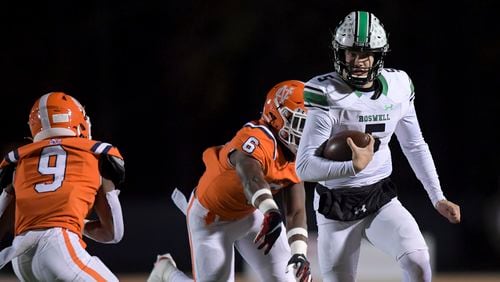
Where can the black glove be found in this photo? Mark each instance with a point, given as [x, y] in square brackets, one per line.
[112, 168]
[270, 230]
[6, 175]
[301, 267]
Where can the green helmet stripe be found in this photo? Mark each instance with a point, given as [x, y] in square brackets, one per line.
[362, 26]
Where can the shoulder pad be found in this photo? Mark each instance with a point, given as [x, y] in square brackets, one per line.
[397, 84]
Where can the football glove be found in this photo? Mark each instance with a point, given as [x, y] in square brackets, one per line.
[301, 268]
[112, 168]
[270, 230]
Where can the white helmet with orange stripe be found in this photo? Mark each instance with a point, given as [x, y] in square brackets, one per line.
[58, 114]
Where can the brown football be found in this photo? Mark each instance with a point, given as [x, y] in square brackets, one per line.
[336, 147]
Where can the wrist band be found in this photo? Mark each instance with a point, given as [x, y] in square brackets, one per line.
[298, 247]
[297, 231]
[267, 204]
[260, 192]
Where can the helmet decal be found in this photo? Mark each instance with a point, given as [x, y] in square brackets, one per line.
[283, 93]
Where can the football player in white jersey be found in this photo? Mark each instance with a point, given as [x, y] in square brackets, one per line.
[356, 199]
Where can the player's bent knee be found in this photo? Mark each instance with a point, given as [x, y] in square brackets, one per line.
[417, 265]
[99, 269]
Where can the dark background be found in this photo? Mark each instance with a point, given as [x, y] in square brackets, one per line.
[162, 81]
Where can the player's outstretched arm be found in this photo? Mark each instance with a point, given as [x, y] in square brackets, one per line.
[258, 193]
[6, 198]
[6, 178]
[296, 219]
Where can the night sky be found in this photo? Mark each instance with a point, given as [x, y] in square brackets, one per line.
[163, 80]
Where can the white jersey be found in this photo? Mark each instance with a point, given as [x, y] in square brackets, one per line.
[333, 106]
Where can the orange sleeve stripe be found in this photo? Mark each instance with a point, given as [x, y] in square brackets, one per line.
[78, 262]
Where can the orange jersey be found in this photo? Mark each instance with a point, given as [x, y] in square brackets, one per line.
[56, 181]
[220, 189]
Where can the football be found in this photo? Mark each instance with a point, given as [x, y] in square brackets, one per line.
[336, 148]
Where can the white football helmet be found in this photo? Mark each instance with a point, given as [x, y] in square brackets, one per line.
[359, 31]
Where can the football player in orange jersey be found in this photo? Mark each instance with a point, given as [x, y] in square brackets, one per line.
[233, 204]
[55, 183]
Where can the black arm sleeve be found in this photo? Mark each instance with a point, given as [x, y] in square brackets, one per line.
[112, 168]
[6, 175]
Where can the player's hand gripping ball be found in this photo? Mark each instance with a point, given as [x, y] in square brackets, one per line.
[336, 148]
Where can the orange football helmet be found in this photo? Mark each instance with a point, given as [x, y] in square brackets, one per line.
[285, 112]
[58, 114]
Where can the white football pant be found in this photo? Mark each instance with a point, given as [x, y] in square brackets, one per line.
[392, 230]
[212, 247]
[56, 254]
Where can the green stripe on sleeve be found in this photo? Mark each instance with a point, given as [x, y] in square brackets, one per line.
[314, 98]
[385, 86]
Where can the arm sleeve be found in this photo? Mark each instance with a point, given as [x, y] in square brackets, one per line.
[418, 154]
[100, 230]
[116, 212]
[309, 165]
[5, 199]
